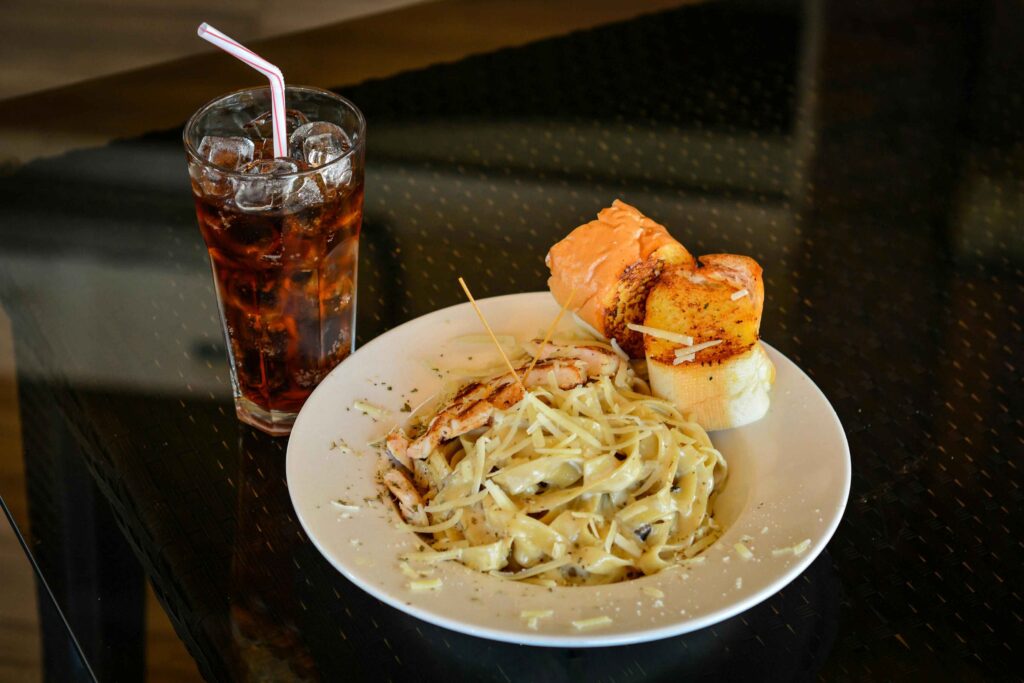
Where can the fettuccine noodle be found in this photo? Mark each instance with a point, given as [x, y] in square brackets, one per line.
[589, 485]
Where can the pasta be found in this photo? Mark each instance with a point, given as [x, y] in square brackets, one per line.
[590, 484]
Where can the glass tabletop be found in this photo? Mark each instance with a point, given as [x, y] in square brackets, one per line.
[871, 158]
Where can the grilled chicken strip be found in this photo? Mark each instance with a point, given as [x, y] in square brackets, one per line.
[475, 404]
[398, 444]
[410, 503]
[597, 360]
[473, 407]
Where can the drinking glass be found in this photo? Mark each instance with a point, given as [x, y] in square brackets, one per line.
[283, 238]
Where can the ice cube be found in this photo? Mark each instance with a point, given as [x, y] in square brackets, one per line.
[262, 127]
[227, 154]
[309, 191]
[269, 186]
[319, 144]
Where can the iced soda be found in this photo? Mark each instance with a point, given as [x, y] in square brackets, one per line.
[283, 238]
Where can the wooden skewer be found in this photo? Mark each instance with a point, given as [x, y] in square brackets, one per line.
[491, 332]
[551, 330]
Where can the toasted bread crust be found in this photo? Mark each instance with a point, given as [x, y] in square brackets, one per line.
[742, 272]
[629, 303]
[699, 302]
[612, 263]
[625, 268]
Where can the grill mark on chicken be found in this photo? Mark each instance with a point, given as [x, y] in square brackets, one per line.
[474, 405]
[475, 408]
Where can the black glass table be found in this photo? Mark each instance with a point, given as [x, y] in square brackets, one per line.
[870, 157]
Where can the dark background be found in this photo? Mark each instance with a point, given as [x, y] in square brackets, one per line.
[869, 155]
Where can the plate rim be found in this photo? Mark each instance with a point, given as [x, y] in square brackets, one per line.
[581, 640]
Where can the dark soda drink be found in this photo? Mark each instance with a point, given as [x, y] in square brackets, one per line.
[286, 290]
[283, 239]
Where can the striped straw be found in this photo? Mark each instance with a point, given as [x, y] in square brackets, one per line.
[236, 49]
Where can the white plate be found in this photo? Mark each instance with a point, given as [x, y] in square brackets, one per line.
[789, 478]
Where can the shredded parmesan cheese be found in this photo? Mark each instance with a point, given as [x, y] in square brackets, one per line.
[411, 573]
[408, 570]
[533, 571]
[743, 551]
[618, 350]
[688, 354]
[533, 617]
[592, 623]
[653, 592]
[739, 295]
[691, 350]
[345, 506]
[340, 445]
[562, 420]
[795, 550]
[674, 337]
[422, 585]
[368, 408]
[536, 613]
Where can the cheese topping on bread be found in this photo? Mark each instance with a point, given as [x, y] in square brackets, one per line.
[634, 283]
[699, 302]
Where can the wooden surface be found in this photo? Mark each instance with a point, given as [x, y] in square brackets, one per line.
[20, 646]
[124, 105]
[95, 38]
